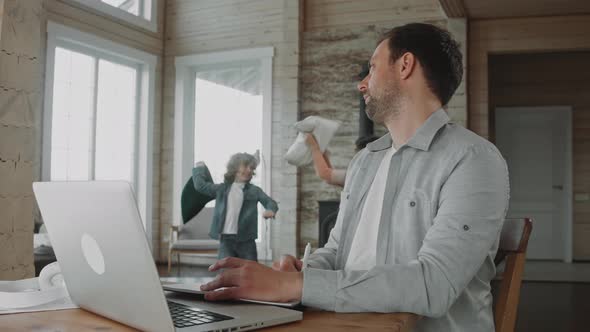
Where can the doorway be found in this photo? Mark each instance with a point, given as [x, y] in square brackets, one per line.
[536, 143]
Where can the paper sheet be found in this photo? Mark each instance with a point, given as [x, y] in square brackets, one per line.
[48, 292]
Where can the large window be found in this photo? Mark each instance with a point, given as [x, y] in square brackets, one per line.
[228, 112]
[137, 12]
[223, 106]
[93, 134]
[98, 110]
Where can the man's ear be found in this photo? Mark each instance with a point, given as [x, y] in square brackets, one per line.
[407, 65]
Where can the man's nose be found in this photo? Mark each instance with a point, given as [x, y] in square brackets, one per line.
[362, 86]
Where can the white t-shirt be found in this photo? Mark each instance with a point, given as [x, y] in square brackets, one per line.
[363, 251]
[235, 198]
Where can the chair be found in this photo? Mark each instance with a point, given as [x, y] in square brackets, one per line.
[512, 249]
[192, 237]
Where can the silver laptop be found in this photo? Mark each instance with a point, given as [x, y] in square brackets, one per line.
[99, 240]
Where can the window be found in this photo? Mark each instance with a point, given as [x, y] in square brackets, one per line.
[228, 111]
[137, 12]
[98, 110]
[223, 106]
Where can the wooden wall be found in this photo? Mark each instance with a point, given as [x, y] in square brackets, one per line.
[202, 26]
[535, 35]
[340, 36]
[20, 93]
[553, 79]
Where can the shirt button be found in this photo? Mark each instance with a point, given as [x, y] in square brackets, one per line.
[412, 203]
[465, 227]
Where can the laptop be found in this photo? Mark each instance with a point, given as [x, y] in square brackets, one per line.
[100, 244]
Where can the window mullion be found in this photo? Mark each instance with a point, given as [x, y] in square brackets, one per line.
[141, 8]
[92, 152]
[138, 89]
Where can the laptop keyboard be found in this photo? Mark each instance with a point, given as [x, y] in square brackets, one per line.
[185, 316]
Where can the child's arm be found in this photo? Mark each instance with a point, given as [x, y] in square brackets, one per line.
[269, 204]
[203, 181]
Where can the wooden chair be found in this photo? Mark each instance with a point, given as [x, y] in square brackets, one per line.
[513, 243]
[192, 237]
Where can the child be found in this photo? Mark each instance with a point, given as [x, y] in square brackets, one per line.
[235, 219]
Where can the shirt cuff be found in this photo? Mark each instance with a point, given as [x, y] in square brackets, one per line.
[319, 288]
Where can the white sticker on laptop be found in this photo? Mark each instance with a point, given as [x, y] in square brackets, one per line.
[92, 254]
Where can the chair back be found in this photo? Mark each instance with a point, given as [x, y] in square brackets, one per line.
[198, 227]
[512, 248]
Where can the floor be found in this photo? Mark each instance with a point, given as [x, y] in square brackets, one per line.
[556, 271]
[544, 305]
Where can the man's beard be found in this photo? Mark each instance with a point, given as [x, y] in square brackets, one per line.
[384, 106]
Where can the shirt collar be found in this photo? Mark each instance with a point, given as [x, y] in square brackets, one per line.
[240, 185]
[422, 138]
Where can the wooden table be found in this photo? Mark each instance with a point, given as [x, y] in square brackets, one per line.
[79, 320]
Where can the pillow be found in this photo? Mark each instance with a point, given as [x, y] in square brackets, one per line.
[299, 154]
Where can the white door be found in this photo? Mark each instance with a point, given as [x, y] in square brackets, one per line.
[536, 142]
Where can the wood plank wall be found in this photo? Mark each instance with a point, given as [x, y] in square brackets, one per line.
[20, 92]
[202, 26]
[339, 36]
[553, 79]
[535, 35]
[24, 137]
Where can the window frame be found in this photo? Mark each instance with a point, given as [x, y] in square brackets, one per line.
[184, 120]
[62, 36]
[140, 21]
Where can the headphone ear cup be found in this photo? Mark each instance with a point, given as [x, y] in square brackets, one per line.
[50, 277]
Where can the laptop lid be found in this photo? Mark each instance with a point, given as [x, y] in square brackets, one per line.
[101, 247]
[100, 243]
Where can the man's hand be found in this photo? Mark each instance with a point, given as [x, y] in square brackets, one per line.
[246, 279]
[268, 214]
[288, 263]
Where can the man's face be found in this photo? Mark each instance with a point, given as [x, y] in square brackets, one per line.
[380, 88]
[245, 173]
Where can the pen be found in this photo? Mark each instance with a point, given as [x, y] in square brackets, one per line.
[305, 256]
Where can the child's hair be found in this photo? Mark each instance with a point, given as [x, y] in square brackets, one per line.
[234, 163]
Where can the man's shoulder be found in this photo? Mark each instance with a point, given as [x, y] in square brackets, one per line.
[460, 139]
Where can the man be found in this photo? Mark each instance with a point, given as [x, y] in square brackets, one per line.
[235, 219]
[421, 210]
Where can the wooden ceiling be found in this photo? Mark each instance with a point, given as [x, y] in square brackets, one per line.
[482, 9]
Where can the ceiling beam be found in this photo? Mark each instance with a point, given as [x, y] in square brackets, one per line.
[453, 8]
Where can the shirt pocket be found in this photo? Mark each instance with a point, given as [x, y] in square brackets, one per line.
[412, 218]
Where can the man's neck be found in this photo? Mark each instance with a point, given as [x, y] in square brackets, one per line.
[411, 116]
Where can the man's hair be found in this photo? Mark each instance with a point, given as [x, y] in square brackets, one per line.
[234, 163]
[437, 52]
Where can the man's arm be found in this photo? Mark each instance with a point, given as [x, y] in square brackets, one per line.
[472, 207]
[202, 180]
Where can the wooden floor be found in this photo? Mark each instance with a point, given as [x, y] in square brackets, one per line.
[544, 306]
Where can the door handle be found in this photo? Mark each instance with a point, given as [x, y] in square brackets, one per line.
[558, 187]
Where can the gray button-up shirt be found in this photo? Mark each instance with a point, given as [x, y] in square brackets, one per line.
[444, 204]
